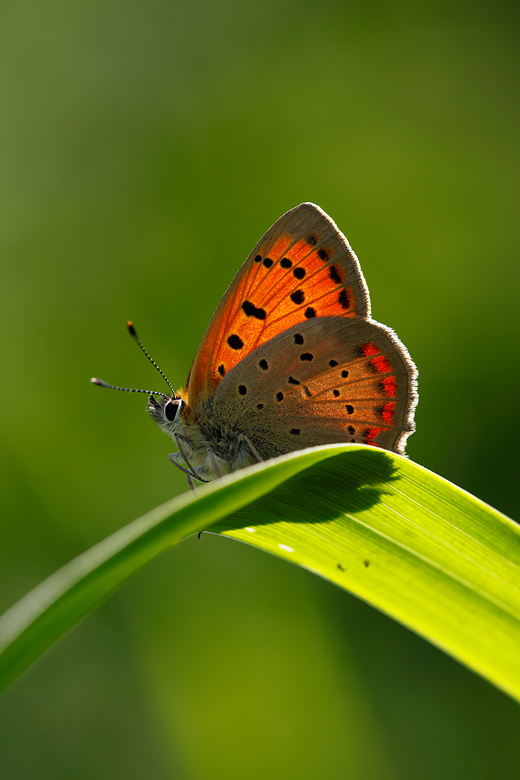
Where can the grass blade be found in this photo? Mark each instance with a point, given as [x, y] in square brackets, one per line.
[413, 545]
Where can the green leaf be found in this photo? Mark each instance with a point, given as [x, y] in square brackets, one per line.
[407, 541]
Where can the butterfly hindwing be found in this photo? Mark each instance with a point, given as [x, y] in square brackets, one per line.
[323, 381]
[302, 269]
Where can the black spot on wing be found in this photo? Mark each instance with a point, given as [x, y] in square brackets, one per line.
[251, 310]
[323, 254]
[344, 299]
[335, 275]
[298, 297]
[235, 342]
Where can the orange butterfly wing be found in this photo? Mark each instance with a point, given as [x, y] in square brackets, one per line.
[301, 269]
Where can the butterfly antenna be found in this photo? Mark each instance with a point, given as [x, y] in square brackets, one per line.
[100, 383]
[137, 340]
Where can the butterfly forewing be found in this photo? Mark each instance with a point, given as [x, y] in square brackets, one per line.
[302, 269]
[323, 381]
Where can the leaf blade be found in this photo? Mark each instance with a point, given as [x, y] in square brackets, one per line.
[403, 539]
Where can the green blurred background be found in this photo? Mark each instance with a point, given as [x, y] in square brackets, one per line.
[145, 148]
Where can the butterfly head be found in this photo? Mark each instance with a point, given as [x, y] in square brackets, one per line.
[166, 412]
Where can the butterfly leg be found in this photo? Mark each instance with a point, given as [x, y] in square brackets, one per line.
[190, 470]
[214, 464]
[252, 448]
[172, 457]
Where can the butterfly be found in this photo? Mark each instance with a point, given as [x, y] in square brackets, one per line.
[290, 359]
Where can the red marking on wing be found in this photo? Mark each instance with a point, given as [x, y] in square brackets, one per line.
[381, 364]
[373, 432]
[369, 348]
[389, 384]
[387, 412]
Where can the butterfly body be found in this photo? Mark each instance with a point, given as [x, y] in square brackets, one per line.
[291, 358]
[201, 432]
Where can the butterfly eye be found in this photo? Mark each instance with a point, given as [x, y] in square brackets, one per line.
[171, 409]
